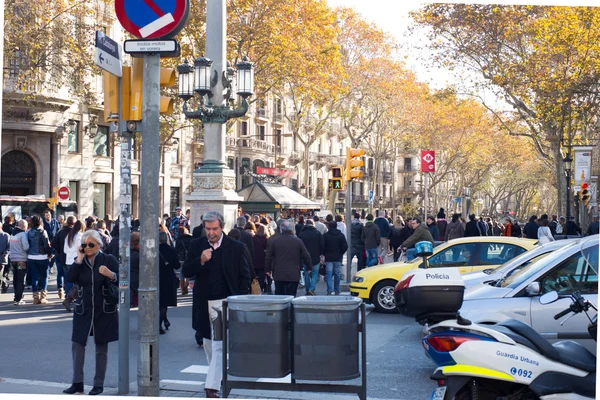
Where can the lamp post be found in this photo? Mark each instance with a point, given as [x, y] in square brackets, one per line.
[568, 161]
[213, 80]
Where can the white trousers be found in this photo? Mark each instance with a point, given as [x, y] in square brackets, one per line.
[214, 351]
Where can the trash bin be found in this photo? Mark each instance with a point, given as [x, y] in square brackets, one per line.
[326, 337]
[259, 336]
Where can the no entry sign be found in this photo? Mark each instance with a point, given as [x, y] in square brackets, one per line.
[427, 161]
[64, 193]
[151, 19]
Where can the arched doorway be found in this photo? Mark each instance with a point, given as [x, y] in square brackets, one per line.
[18, 174]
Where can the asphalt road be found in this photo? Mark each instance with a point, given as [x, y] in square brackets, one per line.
[36, 346]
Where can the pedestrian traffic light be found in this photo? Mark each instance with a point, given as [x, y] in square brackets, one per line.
[167, 79]
[585, 193]
[337, 180]
[111, 95]
[353, 162]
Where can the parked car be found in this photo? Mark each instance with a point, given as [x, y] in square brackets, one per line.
[375, 285]
[571, 268]
[493, 276]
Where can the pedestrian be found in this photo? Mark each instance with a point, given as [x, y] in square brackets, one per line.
[371, 237]
[199, 230]
[4, 267]
[320, 226]
[315, 245]
[19, 246]
[163, 228]
[272, 225]
[421, 234]
[167, 281]
[182, 246]
[95, 312]
[356, 228]
[471, 229]
[497, 229]
[341, 225]
[9, 223]
[433, 228]
[384, 230]
[51, 226]
[396, 237]
[235, 235]
[58, 244]
[104, 234]
[166, 219]
[544, 233]
[37, 259]
[300, 225]
[113, 246]
[245, 236]
[176, 222]
[71, 250]
[490, 227]
[531, 228]
[442, 225]
[482, 226]
[594, 227]
[250, 227]
[335, 247]
[221, 270]
[285, 256]
[516, 229]
[134, 268]
[259, 243]
[455, 228]
[571, 227]
[560, 227]
[508, 228]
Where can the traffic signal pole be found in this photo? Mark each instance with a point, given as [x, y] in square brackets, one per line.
[148, 370]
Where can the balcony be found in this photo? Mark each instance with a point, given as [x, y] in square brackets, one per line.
[262, 113]
[295, 157]
[278, 117]
[407, 168]
[231, 141]
[256, 144]
[313, 157]
[387, 177]
[409, 189]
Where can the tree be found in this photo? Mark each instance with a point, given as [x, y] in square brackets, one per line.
[541, 60]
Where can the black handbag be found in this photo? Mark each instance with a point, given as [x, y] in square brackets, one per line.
[110, 292]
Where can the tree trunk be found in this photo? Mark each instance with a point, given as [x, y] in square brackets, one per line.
[306, 170]
[561, 179]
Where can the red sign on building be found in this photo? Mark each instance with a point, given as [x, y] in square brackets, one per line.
[427, 161]
[275, 172]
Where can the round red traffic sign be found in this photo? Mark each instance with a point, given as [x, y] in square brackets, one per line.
[152, 19]
[64, 193]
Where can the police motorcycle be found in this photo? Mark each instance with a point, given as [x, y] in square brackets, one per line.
[505, 361]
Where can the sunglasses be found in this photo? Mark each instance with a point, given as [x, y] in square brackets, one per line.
[90, 245]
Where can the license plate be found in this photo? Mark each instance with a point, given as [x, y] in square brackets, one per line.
[438, 394]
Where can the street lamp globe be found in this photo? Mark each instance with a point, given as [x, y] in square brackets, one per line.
[93, 127]
[186, 80]
[245, 81]
[568, 161]
[202, 66]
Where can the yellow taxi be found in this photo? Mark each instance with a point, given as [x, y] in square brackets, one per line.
[375, 285]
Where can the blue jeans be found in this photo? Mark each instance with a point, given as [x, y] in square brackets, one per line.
[372, 255]
[411, 254]
[68, 285]
[311, 278]
[60, 275]
[39, 274]
[335, 268]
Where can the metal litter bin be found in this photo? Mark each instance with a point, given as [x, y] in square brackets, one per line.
[259, 336]
[326, 337]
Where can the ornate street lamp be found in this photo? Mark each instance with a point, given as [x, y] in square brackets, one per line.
[186, 80]
[568, 161]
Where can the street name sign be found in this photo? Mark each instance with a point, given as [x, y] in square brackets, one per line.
[108, 54]
[164, 47]
[152, 19]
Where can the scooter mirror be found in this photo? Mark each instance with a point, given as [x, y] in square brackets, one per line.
[549, 297]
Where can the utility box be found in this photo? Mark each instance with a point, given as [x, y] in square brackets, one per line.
[259, 336]
[326, 337]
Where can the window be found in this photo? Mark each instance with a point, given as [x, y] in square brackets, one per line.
[230, 162]
[575, 273]
[173, 154]
[320, 146]
[73, 139]
[498, 253]
[407, 164]
[243, 128]
[174, 200]
[260, 132]
[101, 142]
[245, 167]
[454, 256]
[99, 202]
[278, 137]
[74, 191]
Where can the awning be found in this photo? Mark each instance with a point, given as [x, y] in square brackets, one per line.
[274, 196]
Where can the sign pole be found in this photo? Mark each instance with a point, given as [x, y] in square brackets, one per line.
[148, 369]
[349, 231]
[426, 195]
[124, 239]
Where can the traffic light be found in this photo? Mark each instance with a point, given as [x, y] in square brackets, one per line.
[352, 162]
[337, 180]
[167, 79]
[111, 95]
[585, 193]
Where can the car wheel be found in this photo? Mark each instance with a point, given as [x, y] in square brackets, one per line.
[382, 297]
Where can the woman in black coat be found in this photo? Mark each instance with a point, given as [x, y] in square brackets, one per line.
[95, 311]
[471, 228]
[168, 282]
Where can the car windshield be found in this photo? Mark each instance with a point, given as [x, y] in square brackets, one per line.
[515, 262]
[528, 271]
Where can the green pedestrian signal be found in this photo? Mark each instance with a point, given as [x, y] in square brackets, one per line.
[337, 181]
[337, 185]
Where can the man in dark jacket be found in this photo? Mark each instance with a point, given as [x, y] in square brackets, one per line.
[285, 256]
[58, 244]
[471, 229]
[516, 230]
[531, 228]
[371, 237]
[384, 230]
[245, 237]
[420, 234]
[572, 228]
[482, 227]
[356, 228]
[553, 223]
[335, 247]
[315, 244]
[594, 227]
[221, 270]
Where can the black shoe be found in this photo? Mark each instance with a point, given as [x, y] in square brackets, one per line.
[96, 390]
[167, 324]
[162, 331]
[75, 388]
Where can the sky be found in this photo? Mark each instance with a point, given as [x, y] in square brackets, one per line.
[393, 17]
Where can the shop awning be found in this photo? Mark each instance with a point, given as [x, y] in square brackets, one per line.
[275, 196]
